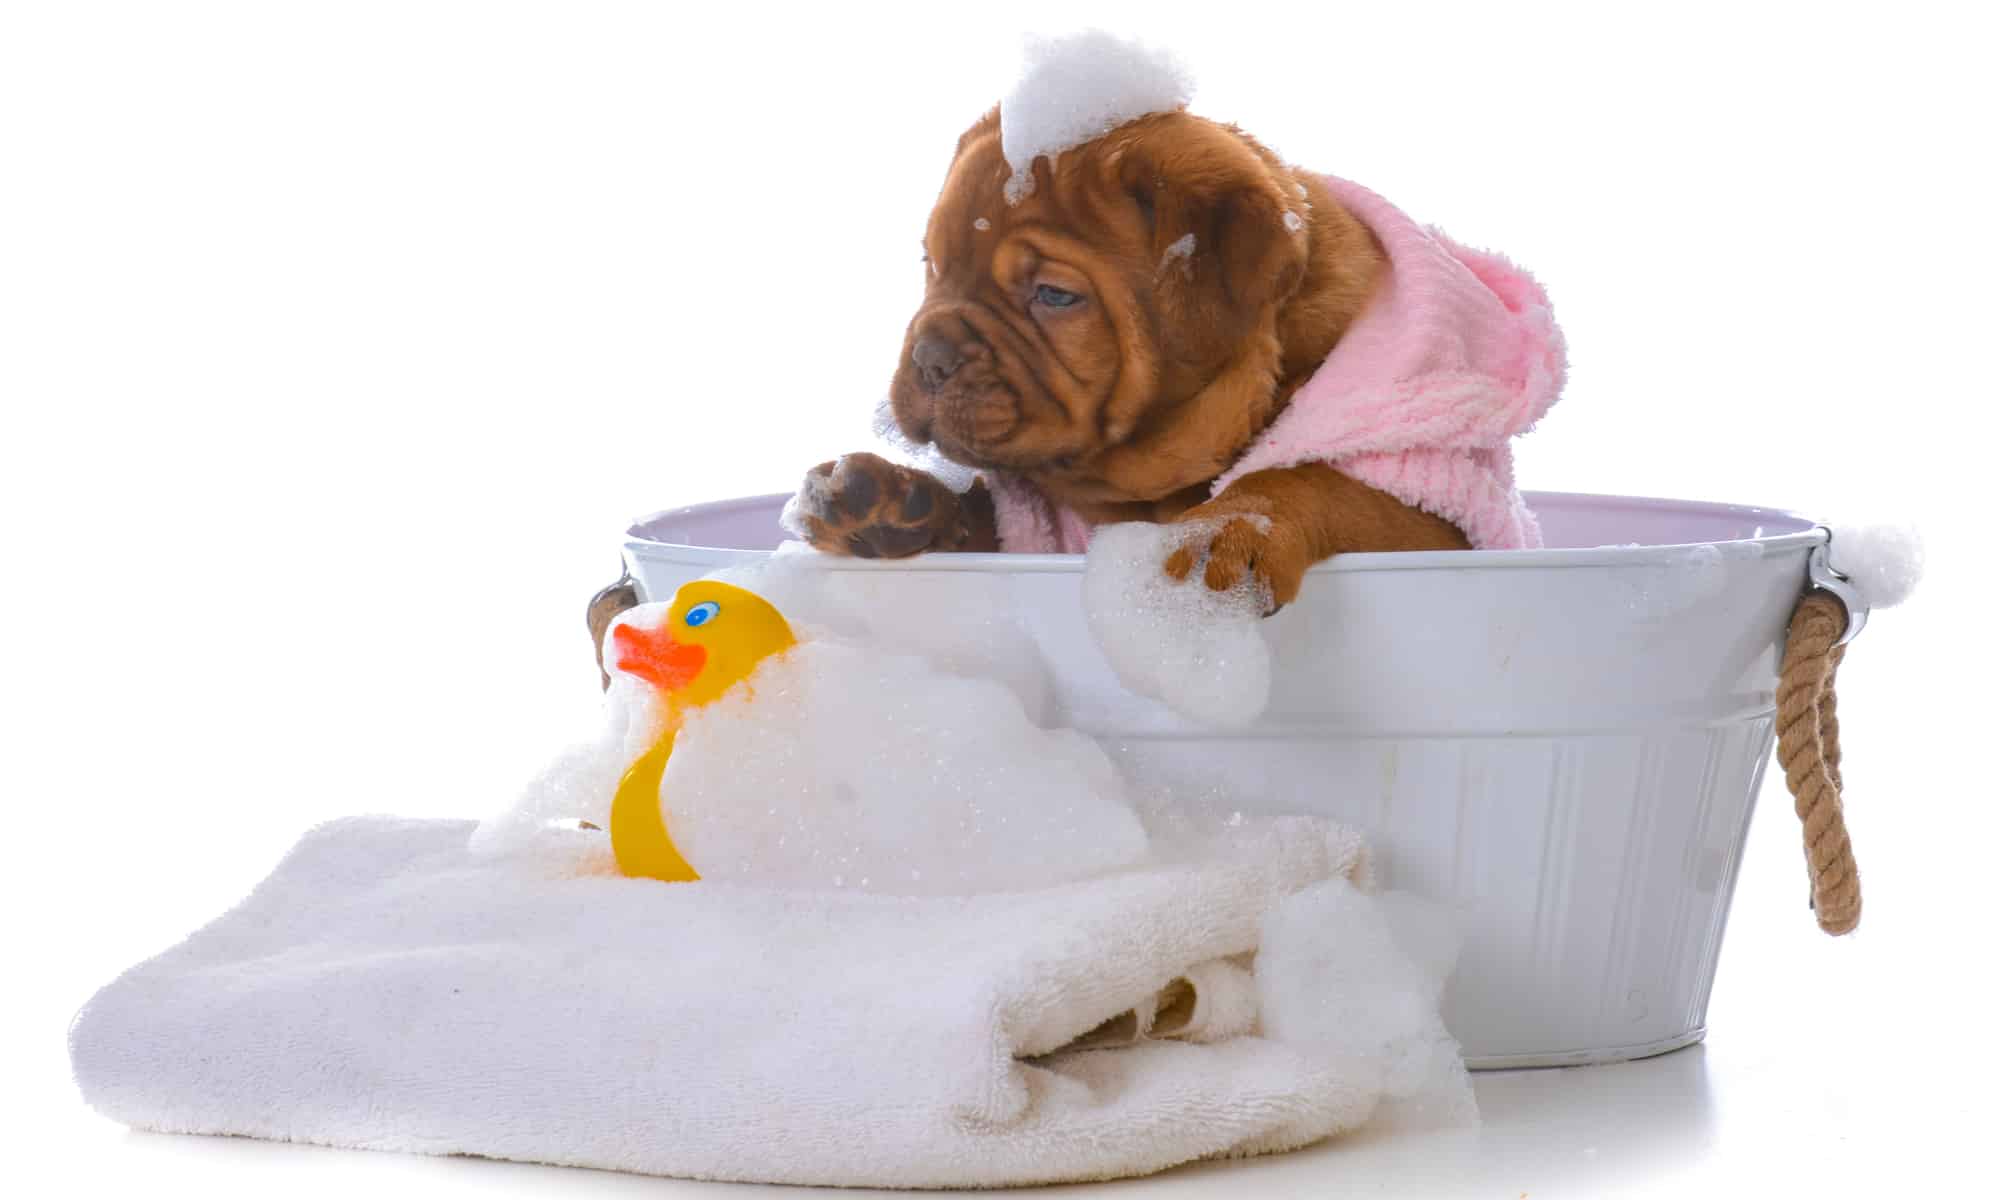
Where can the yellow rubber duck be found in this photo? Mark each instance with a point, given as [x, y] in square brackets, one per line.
[714, 636]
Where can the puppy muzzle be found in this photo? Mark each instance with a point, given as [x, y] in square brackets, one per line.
[951, 390]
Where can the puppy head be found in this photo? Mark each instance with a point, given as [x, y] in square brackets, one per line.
[1113, 336]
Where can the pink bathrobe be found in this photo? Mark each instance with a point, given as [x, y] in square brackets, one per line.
[1457, 353]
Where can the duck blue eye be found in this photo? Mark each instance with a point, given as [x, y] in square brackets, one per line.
[702, 614]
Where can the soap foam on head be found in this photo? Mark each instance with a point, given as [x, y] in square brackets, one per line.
[1078, 87]
[1200, 652]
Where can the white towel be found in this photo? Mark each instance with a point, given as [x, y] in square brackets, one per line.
[386, 989]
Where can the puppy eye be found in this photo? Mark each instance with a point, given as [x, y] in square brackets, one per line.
[1055, 297]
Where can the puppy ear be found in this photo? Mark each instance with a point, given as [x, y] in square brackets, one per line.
[1224, 238]
[989, 123]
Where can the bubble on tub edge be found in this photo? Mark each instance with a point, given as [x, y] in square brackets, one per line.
[1884, 562]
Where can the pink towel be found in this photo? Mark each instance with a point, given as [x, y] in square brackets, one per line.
[1457, 353]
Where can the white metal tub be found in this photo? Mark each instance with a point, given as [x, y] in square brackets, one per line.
[1564, 744]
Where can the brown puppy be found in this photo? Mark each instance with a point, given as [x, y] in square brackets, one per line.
[1074, 341]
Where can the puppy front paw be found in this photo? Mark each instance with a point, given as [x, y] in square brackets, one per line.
[865, 506]
[1232, 546]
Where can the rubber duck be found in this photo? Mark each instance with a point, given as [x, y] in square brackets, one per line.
[715, 634]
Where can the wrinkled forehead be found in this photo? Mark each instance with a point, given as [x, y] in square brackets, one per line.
[972, 214]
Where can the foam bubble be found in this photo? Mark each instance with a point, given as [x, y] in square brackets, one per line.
[1200, 652]
[847, 767]
[1883, 562]
[1695, 575]
[843, 764]
[545, 821]
[1334, 980]
[1078, 87]
[894, 445]
[959, 621]
[813, 499]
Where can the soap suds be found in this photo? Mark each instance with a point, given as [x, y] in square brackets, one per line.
[1882, 562]
[846, 764]
[851, 768]
[1200, 652]
[1078, 87]
[957, 621]
[1356, 980]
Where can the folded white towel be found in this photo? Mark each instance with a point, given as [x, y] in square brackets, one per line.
[387, 989]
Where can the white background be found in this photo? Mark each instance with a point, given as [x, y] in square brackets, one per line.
[338, 342]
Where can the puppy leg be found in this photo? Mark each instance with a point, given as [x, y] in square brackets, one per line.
[864, 506]
[1275, 524]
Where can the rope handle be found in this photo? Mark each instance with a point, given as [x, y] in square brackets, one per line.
[1809, 752]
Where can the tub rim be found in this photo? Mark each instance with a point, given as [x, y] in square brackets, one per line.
[637, 542]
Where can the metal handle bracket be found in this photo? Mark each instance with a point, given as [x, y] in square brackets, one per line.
[1820, 574]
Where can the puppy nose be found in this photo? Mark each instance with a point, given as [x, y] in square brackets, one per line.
[937, 359]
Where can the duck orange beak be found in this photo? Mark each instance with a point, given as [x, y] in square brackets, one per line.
[654, 656]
